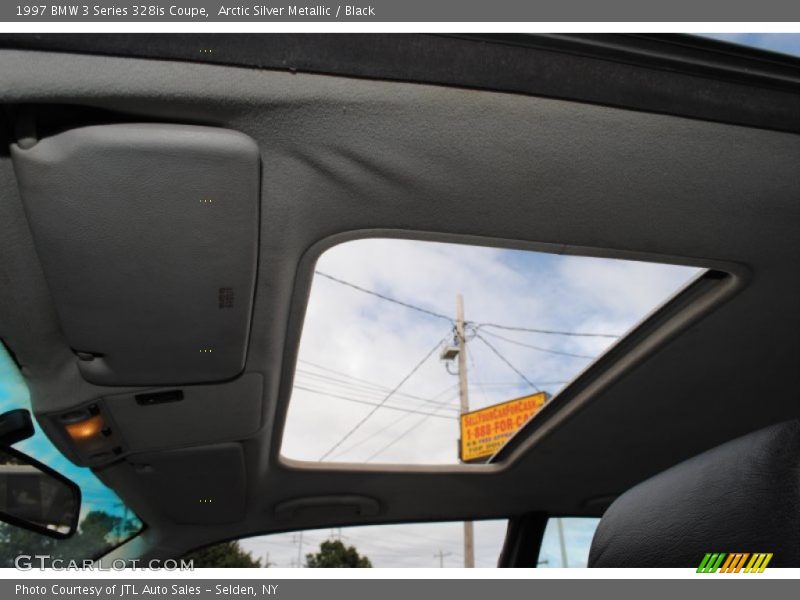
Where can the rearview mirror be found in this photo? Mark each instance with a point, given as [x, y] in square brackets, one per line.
[36, 497]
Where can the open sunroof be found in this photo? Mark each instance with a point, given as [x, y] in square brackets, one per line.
[384, 371]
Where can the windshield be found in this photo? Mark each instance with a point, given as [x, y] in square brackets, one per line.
[104, 522]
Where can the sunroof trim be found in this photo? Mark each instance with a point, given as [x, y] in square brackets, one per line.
[709, 290]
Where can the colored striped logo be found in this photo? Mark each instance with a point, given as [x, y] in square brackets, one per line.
[722, 562]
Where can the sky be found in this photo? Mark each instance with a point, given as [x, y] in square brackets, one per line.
[787, 43]
[424, 545]
[369, 345]
[95, 495]
[356, 348]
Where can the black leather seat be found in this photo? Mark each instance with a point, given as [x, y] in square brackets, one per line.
[743, 496]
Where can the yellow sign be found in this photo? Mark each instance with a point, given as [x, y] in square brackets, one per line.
[484, 431]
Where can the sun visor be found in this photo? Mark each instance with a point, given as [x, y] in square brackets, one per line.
[203, 485]
[148, 237]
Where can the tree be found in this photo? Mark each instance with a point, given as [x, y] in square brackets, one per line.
[16, 541]
[96, 533]
[227, 554]
[333, 553]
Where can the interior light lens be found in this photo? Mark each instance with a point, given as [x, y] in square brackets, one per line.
[81, 430]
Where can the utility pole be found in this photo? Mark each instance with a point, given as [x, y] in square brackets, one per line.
[300, 550]
[440, 555]
[469, 533]
[562, 543]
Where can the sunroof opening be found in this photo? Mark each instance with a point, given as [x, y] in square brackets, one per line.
[417, 352]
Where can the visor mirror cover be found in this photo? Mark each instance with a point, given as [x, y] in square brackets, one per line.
[148, 236]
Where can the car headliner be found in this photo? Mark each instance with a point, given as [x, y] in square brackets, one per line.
[344, 158]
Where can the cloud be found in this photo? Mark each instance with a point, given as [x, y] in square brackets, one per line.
[419, 544]
[411, 545]
[14, 394]
[356, 347]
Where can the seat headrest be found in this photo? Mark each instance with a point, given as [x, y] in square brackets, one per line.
[743, 496]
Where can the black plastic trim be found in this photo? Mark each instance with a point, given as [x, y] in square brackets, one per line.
[76, 491]
[151, 398]
[523, 542]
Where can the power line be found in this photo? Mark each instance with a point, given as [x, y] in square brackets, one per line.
[442, 316]
[367, 402]
[547, 331]
[363, 394]
[403, 529]
[514, 383]
[505, 360]
[474, 370]
[341, 373]
[389, 395]
[547, 350]
[341, 381]
[396, 403]
[384, 297]
[389, 426]
[397, 422]
[406, 432]
[376, 542]
[393, 423]
[364, 387]
[440, 555]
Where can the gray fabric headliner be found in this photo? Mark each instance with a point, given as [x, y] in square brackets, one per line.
[343, 156]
